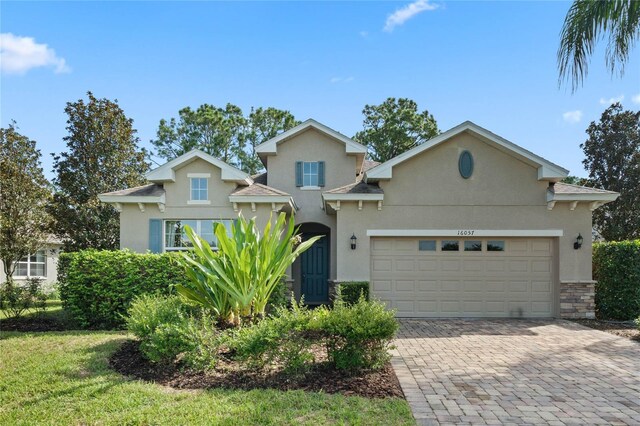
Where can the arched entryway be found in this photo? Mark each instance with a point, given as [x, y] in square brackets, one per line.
[314, 264]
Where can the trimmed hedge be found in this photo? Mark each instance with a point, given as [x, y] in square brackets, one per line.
[97, 287]
[616, 267]
[350, 291]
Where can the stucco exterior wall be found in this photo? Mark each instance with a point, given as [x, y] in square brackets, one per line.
[427, 192]
[340, 170]
[134, 224]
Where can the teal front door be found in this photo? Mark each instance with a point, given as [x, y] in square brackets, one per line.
[315, 271]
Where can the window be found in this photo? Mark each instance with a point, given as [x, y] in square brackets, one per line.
[427, 245]
[450, 245]
[199, 189]
[34, 265]
[473, 246]
[495, 245]
[175, 237]
[310, 173]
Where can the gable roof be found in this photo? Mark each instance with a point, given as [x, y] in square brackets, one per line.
[166, 172]
[271, 146]
[546, 169]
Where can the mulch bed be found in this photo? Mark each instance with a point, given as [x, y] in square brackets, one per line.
[383, 383]
[623, 329]
[32, 324]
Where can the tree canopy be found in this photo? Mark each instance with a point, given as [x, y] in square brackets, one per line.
[394, 127]
[587, 21]
[224, 133]
[612, 154]
[102, 156]
[24, 192]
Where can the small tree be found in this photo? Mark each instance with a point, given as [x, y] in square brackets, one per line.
[102, 156]
[395, 126]
[24, 192]
[613, 161]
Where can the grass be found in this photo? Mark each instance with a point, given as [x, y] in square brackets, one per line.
[63, 378]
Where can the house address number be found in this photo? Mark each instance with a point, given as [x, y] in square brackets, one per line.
[466, 232]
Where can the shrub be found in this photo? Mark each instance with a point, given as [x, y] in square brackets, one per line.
[282, 339]
[97, 287]
[358, 335]
[205, 339]
[616, 268]
[237, 281]
[350, 291]
[148, 312]
[637, 321]
[168, 329]
[16, 299]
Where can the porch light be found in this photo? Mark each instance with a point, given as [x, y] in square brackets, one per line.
[578, 242]
[353, 242]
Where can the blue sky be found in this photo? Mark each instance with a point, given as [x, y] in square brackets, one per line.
[490, 62]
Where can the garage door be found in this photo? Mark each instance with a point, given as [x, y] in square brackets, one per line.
[449, 277]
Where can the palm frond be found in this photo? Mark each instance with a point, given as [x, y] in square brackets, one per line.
[586, 23]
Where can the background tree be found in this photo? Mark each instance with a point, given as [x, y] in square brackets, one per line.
[587, 21]
[394, 127]
[613, 161]
[261, 125]
[102, 156]
[24, 192]
[576, 180]
[224, 133]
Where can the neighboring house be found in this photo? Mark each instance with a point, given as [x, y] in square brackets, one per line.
[41, 264]
[467, 224]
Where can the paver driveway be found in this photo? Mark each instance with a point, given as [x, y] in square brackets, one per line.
[517, 372]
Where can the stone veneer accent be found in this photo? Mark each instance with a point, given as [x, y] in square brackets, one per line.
[577, 299]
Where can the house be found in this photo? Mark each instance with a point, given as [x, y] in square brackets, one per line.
[42, 264]
[467, 224]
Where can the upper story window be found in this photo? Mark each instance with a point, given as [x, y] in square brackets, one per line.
[310, 174]
[175, 236]
[199, 187]
[33, 265]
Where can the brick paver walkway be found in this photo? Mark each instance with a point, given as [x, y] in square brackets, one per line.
[517, 372]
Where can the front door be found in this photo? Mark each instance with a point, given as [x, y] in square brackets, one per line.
[315, 271]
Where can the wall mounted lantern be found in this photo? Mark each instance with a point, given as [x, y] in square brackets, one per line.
[353, 242]
[578, 242]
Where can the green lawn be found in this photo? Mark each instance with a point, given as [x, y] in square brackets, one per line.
[63, 378]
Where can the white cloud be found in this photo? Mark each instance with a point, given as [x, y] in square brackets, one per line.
[364, 34]
[20, 54]
[610, 101]
[636, 99]
[402, 15]
[572, 116]
[335, 80]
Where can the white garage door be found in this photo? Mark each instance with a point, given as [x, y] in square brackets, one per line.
[449, 277]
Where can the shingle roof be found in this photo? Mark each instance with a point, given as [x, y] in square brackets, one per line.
[369, 164]
[258, 189]
[260, 178]
[357, 188]
[567, 188]
[150, 190]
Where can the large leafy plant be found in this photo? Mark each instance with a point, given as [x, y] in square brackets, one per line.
[235, 281]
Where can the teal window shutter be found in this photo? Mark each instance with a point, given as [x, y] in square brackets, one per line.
[298, 173]
[320, 173]
[155, 235]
